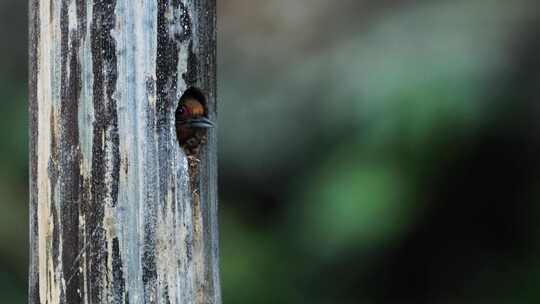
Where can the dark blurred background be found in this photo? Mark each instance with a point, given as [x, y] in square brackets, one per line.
[370, 151]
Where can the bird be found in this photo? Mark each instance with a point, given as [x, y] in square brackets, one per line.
[191, 120]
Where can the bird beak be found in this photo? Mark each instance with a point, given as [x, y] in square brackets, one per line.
[199, 122]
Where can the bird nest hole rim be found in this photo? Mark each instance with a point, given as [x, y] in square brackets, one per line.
[192, 122]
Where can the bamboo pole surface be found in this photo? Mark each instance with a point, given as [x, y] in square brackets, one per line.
[118, 212]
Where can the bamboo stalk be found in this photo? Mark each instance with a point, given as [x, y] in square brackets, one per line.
[118, 212]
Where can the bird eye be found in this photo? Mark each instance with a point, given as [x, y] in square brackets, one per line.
[182, 110]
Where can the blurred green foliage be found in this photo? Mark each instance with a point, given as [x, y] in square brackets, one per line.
[13, 189]
[351, 205]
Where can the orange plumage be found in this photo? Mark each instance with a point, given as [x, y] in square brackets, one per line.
[190, 119]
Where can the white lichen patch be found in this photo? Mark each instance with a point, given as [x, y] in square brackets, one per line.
[86, 108]
[49, 281]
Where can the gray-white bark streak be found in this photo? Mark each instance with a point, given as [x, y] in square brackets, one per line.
[118, 213]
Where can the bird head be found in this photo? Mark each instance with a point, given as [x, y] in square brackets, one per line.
[191, 114]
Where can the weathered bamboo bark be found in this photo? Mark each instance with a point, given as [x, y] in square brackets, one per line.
[118, 213]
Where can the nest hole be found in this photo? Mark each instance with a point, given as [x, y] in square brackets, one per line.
[191, 138]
